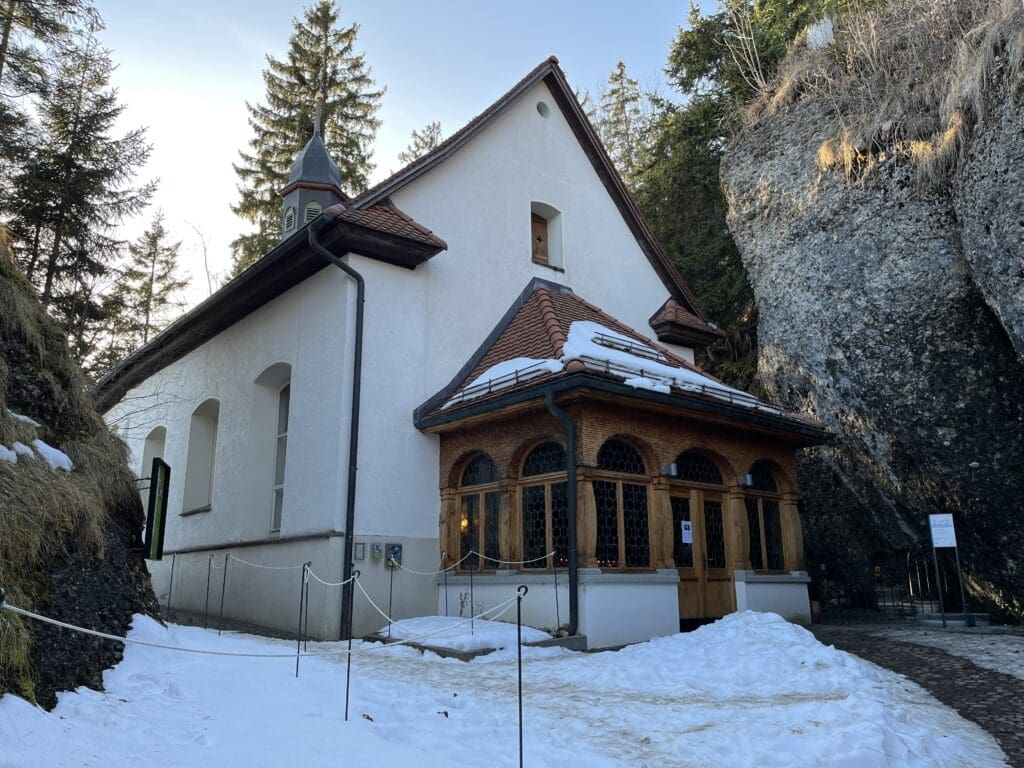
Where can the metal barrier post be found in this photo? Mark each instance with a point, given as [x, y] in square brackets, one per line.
[206, 606]
[223, 588]
[391, 593]
[522, 590]
[170, 588]
[472, 604]
[444, 559]
[298, 630]
[348, 662]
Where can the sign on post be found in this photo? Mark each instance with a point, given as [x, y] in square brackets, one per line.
[156, 510]
[943, 531]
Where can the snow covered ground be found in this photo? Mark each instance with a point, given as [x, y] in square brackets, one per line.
[748, 690]
[993, 649]
[453, 633]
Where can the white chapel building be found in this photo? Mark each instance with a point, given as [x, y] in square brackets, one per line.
[521, 366]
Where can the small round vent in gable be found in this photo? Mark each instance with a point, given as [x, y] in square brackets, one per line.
[543, 109]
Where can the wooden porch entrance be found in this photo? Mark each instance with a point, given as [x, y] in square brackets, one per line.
[705, 584]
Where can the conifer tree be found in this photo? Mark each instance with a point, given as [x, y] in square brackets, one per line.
[147, 295]
[75, 188]
[622, 118]
[422, 141]
[321, 59]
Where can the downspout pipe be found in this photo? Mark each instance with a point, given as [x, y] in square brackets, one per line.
[353, 438]
[570, 454]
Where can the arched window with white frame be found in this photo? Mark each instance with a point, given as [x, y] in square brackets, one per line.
[268, 430]
[202, 457]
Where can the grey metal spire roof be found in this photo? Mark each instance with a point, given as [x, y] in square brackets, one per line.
[314, 164]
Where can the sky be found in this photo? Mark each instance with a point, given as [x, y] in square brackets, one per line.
[186, 70]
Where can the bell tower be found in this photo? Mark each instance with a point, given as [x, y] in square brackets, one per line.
[314, 182]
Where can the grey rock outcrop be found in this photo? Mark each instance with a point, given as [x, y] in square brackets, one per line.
[895, 313]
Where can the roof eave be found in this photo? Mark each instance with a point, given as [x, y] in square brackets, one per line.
[284, 267]
[798, 432]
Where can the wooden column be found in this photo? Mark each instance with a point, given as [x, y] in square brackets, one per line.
[586, 523]
[449, 524]
[509, 523]
[737, 545]
[661, 524]
[792, 532]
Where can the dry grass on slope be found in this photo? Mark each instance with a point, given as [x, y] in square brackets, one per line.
[46, 513]
[908, 78]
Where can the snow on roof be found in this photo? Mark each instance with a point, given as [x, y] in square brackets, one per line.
[639, 364]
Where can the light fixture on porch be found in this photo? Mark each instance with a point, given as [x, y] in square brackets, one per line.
[670, 470]
[746, 480]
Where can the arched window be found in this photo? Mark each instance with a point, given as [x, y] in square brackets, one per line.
[697, 511]
[764, 519]
[480, 510]
[545, 507]
[153, 448]
[623, 528]
[201, 460]
[546, 235]
[268, 447]
[312, 211]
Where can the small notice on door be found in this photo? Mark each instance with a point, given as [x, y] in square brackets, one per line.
[687, 530]
[943, 532]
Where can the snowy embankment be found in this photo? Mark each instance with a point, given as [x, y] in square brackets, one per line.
[748, 690]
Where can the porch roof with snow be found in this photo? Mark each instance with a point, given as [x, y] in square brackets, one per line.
[553, 339]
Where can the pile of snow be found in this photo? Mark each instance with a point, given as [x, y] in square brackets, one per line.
[453, 633]
[55, 457]
[749, 690]
[505, 374]
[31, 422]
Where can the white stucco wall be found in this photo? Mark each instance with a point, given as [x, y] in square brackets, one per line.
[784, 594]
[620, 608]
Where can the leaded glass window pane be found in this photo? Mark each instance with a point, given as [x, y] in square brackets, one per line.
[545, 458]
[714, 534]
[754, 528]
[534, 526]
[773, 535]
[492, 535]
[635, 526]
[560, 523]
[480, 471]
[762, 479]
[618, 456]
[468, 526]
[682, 553]
[695, 468]
[607, 524]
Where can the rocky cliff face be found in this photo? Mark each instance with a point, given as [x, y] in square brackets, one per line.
[69, 536]
[893, 309]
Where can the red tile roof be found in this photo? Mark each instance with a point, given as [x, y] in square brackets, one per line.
[386, 217]
[537, 327]
[675, 324]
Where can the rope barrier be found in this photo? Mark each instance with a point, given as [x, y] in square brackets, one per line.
[330, 583]
[264, 567]
[238, 654]
[469, 554]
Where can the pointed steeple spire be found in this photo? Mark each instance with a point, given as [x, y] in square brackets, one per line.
[314, 182]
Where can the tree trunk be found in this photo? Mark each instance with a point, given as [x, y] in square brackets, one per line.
[5, 40]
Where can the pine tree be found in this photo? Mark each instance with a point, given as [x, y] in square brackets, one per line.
[75, 189]
[146, 296]
[622, 119]
[423, 141]
[321, 59]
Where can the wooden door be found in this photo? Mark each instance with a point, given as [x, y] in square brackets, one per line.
[705, 587]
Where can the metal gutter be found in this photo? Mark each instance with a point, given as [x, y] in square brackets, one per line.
[353, 444]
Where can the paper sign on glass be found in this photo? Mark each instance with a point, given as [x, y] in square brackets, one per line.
[943, 533]
[687, 531]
